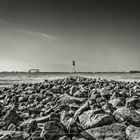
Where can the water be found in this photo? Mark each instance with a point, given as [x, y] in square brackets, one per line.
[7, 79]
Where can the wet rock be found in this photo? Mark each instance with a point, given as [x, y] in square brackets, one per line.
[133, 133]
[91, 119]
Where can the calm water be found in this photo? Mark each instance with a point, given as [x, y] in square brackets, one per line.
[7, 79]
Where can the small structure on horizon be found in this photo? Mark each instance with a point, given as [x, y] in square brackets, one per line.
[73, 63]
[33, 71]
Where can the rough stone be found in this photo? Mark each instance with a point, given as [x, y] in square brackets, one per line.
[89, 119]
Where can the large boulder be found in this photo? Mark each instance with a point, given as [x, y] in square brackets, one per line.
[11, 117]
[109, 132]
[29, 126]
[129, 115]
[52, 130]
[133, 102]
[117, 102]
[92, 118]
[133, 133]
[70, 123]
[36, 134]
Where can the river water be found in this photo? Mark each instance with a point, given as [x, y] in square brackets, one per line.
[7, 79]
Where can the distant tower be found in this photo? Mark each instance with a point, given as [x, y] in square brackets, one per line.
[73, 63]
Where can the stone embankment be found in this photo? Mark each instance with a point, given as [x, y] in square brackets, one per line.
[73, 108]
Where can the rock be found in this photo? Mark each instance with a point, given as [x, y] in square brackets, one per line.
[105, 93]
[5, 137]
[33, 126]
[81, 93]
[84, 107]
[13, 135]
[11, 117]
[91, 119]
[75, 138]
[64, 138]
[2, 124]
[70, 123]
[133, 102]
[127, 114]
[29, 126]
[36, 135]
[108, 108]
[12, 127]
[117, 102]
[70, 99]
[24, 116]
[114, 131]
[23, 99]
[73, 89]
[133, 133]
[52, 130]
[19, 135]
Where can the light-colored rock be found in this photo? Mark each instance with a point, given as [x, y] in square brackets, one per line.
[92, 118]
[133, 133]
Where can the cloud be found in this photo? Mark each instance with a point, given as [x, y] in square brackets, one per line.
[16, 28]
[33, 33]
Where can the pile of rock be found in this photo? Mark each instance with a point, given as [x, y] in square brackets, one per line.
[73, 108]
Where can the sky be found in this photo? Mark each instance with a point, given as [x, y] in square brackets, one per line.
[100, 35]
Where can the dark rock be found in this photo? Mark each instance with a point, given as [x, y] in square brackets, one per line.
[36, 135]
[11, 117]
[52, 130]
[33, 126]
[133, 102]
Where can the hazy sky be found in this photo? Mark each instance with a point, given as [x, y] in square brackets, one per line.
[100, 35]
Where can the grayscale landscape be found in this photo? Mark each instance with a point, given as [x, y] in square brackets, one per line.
[69, 70]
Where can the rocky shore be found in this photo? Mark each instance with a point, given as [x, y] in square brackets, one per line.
[73, 108]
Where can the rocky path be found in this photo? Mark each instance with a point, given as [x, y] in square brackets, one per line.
[73, 108]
